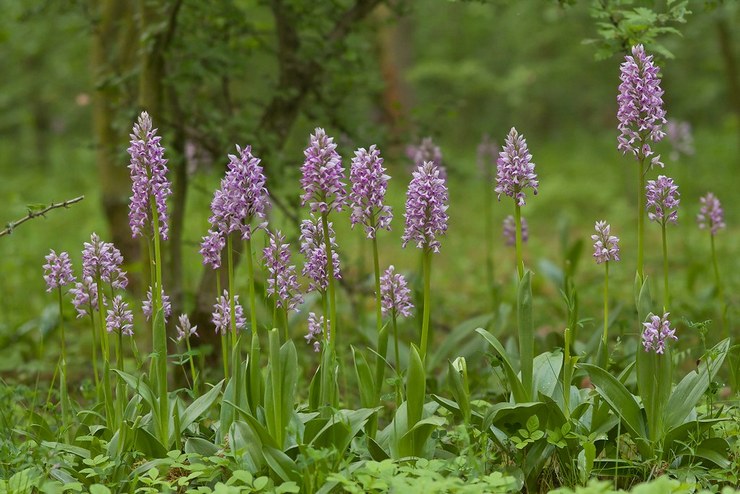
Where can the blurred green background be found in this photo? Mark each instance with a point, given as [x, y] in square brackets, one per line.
[213, 74]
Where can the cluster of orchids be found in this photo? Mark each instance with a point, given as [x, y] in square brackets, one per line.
[240, 208]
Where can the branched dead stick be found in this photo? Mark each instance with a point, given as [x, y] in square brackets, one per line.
[35, 213]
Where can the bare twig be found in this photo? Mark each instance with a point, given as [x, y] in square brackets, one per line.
[35, 214]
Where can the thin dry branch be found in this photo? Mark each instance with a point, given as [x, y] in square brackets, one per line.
[32, 213]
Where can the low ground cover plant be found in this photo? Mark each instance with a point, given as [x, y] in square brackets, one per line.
[387, 411]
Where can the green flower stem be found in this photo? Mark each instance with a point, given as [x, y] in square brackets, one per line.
[254, 350]
[64, 396]
[382, 335]
[120, 389]
[160, 332]
[567, 369]
[334, 336]
[427, 267]
[224, 336]
[252, 296]
[397, 355]
[666, 291]
[641, 219]
[192, 365]
[605, 335]
[718, 281]
[96, 375]
[519, 260]
[104, 346]
[232, 304]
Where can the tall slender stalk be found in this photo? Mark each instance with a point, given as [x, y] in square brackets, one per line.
[427, 268]
[519, 260]
[605, 335]
[666, 290]
[232, 304]
[104, 346]
[397, 355]
[252, 296]
[718, 281]
[192, 364]
[63, 394]
[96, 375]
[382, 336]
[641, 220]
[334, 335]
[160, 331]
[224, 336]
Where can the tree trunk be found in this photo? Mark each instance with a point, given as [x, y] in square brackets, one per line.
[732, 72]
[112, 56]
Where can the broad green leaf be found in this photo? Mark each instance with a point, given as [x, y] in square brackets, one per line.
[415, 387]
[520, 395]
[546, 372]
[200, 446]
[415, 441]
[654, 384]
[339, 430]
[200, 406]
[260, 430]
[689, 391]
[619, 400]
[368, 395]
[458, 383]
[282, 465]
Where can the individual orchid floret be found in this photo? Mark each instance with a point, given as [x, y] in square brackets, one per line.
[282, 282]
[514, 169]
[662, 198]
[85, 295]
[103, 259]
[426, 208]
[242, 197]
[120, 318]
[487, 154]
[369, 185]
[149, 180]
[606, 246]
[315, 330]
[184, 328]
[58, 270]
[148, 304]
[211, 247]
[313, 247]
[711, 216]
[656, 332]
[641, 115]
[322, 177]
[395, 295]
[509, 231]
[680, 136]
[221, 316]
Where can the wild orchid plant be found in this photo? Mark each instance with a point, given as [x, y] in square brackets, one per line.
[606, 248]
[514, 175]
[322, 181]
[662, 199]
[148, 218]
[711, 217]
[259, 422]
[641, 118]
[58, 274]
[426, 220]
